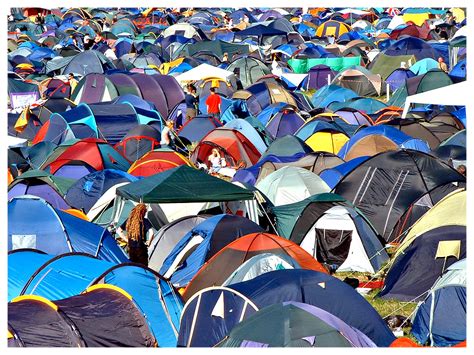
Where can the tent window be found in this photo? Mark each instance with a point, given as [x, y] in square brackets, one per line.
[26, 241]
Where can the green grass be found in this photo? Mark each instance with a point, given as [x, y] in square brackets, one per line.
[384, 307]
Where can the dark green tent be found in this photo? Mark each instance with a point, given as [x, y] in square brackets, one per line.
[183, 184]
[287, 216]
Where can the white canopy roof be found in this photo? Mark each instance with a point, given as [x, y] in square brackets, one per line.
[204, 71]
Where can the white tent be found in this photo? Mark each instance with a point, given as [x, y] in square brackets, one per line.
[338, 229]
[456, 95]
[203, 71]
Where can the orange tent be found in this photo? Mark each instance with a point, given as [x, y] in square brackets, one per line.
[225, 262]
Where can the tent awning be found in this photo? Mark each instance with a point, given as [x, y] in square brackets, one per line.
[183, 184]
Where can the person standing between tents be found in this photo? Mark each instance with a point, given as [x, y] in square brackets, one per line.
[213, 103]
[167, 135]
[72, 81]
[138, 228]
[442, 65]
[191, 102]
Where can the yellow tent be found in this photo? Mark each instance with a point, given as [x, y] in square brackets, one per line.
[417, 19]
[332, 28]
[450, 211]
[459, 14]
[166, 67]
[330, 142]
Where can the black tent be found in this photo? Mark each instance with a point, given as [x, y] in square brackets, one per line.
[103, 316]
[384, 186]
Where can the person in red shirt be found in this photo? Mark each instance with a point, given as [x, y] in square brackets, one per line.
[213, 103]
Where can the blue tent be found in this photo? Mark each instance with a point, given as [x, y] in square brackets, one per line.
[87, 190]
[210, 315]
[34, 223]
[456, 139]
[320, 290]
[423, 66]
[195, 129]
[210, 236]
[331, 93]
[268, 112]
[415, 271]
[334, 175]
[367, 105]
[458, 72]
[249, 132]
[412, 45]
[59, 277]
[70, 274]
[396, 136]
[398, 78]
[440, 320]
[21, 266]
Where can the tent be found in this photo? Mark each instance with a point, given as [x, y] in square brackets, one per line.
[138, 141]
[314, 162]
[294, 324]
[204, 71]
[86, 191]
[332, 28]
[391, 182]
[218, 307]
[195, 129]
[322, 136]
[157, 161]
[440, 320]
[248, 70]
[361, 81]
[232, 143]
[70, 274]
[291, 184]
[163, 188]
[39, 183]
[79, 158]
[223, 264]
[343, 239]
[59, 233]
[331, 93]
[261, 94]
[84, 320]
[201, 243]
[319, 76]
[431, 80]
[168, 236]
[285, 122]
[432, 244]
[376, 139]
[320, 290]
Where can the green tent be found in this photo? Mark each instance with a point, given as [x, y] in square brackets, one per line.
[433, 79]
[385, 64]
[302, 66]
[60, 184]
[287, 215]
[183, 184]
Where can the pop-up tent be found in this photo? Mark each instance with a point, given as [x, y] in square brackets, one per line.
[58, 232]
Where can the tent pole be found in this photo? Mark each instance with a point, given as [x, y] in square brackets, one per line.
[388, 93]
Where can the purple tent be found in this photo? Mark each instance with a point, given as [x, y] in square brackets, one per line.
[152, 91]
[318, 77]
[124, 84]
[43, 190]
[398, 78]
[173, 92]
[283, 123]
[353, 117]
